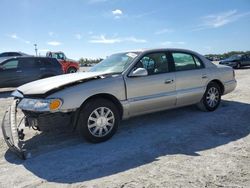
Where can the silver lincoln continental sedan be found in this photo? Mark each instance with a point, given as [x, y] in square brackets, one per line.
[122, 86]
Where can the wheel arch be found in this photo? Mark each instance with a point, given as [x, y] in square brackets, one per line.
[220, 84]
[107, 96]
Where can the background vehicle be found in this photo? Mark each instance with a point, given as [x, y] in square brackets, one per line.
[69, 65]
[12, 54]
[237, 61]
[20, 70]
[122, 86]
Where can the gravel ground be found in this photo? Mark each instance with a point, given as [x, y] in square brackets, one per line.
[177, 148]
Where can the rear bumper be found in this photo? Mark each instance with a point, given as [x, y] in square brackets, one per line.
[10, 131]
[229, 86]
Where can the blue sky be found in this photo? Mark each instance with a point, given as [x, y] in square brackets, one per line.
[97, 28]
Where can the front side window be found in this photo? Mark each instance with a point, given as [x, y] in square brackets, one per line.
[184, 61]
[12, 64]
[154, 63]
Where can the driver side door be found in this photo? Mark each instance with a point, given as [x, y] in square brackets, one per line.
[9, 73]
[153, 92]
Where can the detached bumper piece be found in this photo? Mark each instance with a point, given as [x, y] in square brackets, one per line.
[11, 132]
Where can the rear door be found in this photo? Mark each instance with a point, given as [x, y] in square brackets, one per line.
[190, 78]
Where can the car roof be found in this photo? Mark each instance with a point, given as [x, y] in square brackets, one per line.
[157, 50]
[2, 59]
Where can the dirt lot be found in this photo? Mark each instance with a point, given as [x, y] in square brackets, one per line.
[177, 148]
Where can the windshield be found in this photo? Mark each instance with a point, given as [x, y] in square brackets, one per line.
[115, 63]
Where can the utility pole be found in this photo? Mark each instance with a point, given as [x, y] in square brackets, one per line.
[35, 48]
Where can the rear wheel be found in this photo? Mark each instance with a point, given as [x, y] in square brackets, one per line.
[211, 98]
[71, 70]
[99, 120]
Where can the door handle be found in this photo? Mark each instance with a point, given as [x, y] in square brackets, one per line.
[18, 71]
[42, 68]
[204, 76]
[169, 81]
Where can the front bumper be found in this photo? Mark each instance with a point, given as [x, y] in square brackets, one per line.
[11, 131]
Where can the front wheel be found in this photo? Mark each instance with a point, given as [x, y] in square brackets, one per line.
[211, 98]
[71, 70]
[99, 120]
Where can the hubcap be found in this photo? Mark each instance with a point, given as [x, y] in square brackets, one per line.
[101, 121]
[212, 97]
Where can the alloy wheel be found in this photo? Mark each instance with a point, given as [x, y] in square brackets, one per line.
[101, 121]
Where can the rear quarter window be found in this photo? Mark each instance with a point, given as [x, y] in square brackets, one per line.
[51, 62]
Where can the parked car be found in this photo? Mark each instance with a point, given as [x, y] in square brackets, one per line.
[237, 61]
[69, 65]
[12, 54]
[20, 70]
[122, 86]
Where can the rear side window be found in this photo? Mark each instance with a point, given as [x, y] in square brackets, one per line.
[27, 63]
[184, 61]
[50, 62]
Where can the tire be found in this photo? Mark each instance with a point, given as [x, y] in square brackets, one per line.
[91, 125]
[211, 98]
[237, 66]
[71, 70]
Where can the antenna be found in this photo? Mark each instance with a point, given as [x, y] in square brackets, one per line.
[35, 48]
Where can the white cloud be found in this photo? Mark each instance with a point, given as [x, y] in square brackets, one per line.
[117, 13]
[165, 30]
[78, 36]
[221, 19]
[103, 40]
[54, 43]
[172, 43]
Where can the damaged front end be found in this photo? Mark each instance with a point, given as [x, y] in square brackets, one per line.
[11, 132]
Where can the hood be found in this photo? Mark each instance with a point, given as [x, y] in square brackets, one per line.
[45, 85]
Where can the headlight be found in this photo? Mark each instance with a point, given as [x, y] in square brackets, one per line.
[40, 105]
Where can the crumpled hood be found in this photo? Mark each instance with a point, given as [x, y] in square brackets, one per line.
[45, 85]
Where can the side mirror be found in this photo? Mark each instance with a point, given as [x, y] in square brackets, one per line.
[1, 67]
[139, 72]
